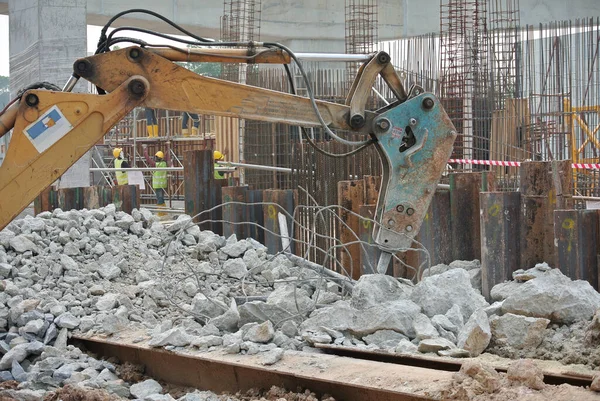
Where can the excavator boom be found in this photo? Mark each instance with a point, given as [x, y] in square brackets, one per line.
[413, 135]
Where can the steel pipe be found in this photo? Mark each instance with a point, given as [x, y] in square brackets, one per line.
[333, 57]
[257, 167]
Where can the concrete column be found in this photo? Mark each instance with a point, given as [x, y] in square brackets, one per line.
[45, 38]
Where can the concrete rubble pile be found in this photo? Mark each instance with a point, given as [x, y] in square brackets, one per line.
[103, 272]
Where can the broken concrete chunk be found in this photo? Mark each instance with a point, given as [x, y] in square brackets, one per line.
[518, 331]
[183, 222]
[384, 338]
[125, 222]
[375, 289]
[316, 338]
[554, 296]
[397, 316]
[229, 320]
[17, 353]
[435, 270]
[454, 353]
[595, 386]
[109, 271]
[107, 302]
[527, 373]
[290, 298]
[455, 316]
[468, 265]
[175, 337]
[206, 342]
[203, 306]
[259, 333]
[67, 320]
[475, 336]
[442, 321]
[488, 379]
[272, 357]
[235, 268]
[405, 347]
[503, 290]
[434, 345]
[22, 244]
[236, 249]
[424, 328]
[5, 270]
[437, 294]
[18, 372]
[143, 389]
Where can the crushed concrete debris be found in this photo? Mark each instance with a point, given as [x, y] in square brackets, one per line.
[103, 272]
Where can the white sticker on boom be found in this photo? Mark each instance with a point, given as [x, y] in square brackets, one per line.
[48, 129]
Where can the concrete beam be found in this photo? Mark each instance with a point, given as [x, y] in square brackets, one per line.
[316, 19]
[44, 40]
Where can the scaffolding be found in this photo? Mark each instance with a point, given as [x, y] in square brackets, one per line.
[240, 23]
[504, 26]
[464, 64]
[361, 32]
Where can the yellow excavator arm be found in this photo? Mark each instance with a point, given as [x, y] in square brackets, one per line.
[51, 130]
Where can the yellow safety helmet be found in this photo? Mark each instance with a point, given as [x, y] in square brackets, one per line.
[218, 155]
[117, 152]
[160, 154]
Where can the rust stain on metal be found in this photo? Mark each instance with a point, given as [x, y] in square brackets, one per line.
[351, 195]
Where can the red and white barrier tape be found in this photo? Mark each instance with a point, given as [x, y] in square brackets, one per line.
[516, 164]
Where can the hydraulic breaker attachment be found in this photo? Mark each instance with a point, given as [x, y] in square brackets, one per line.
[414, 140]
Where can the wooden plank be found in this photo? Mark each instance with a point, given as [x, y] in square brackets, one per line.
[234, 211]
[464, 210]
[351, 196]
[201, 191]
[576, 236]
[277, 201]
[500, 229]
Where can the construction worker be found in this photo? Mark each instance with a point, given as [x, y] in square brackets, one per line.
[151, 123]
[159, 178]
[219, 157]
[120, 162]
[184, 124]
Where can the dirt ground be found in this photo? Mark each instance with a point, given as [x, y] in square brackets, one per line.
[478, 380]
[577, 344]
[70, 393]
[523, 381]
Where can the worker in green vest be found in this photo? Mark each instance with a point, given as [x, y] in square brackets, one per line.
[120, 162]
[159, 178]
[219, 157]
